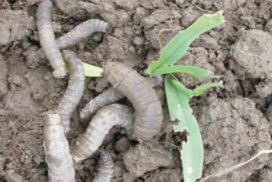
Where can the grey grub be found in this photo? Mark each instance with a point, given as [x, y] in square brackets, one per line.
[253, 54]
[56, 147]
[75, 88]
[47, 38]
[107, 97]
[110, 96]
[104, 120]
[147, 157]
[148, 111]
[81, 32]
[105, 170]
[14, 26]
[3, 76]
[248, 130]
[35, 56]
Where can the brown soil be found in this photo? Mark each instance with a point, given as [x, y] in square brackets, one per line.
[235, 122]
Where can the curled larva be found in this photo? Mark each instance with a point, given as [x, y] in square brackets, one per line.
[78, 33]
[75, 88]
[105, 170]
[109, 96]
[47, 38]
[82, 31]
[105, 118]
[148, 111]
[56, 147]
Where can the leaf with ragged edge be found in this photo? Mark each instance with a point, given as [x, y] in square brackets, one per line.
[192, 152]
[190, 70]
[177, 47]
[92, 71]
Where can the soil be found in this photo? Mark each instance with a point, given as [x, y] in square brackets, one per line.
[236, 122]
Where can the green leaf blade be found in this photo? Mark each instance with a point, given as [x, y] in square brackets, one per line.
[177, 47]
[192, 153]
[194, 71]
[203, 87]
[92, 71]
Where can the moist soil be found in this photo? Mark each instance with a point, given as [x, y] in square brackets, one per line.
[235, 122]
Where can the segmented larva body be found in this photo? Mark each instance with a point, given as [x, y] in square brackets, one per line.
[56, 147]
[105, 118]
[75, 35]
[105, 170]
[47, 39]
[74, 91]
[109, 96]
[82, 31]
[148, 111]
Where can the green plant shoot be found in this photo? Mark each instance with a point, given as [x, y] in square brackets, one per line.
[178, 96]
[177, 47]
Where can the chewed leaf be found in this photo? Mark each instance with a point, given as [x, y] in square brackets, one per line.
[192, 152]
[177, 47]
[92, 71]
[190, 70]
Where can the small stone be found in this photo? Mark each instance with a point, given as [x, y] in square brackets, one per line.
[179, 2]
[147, 157]
[138, 41]
[140, 13]
[128, 4]
[122, 145]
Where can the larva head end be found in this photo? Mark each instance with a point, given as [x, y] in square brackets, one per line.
[59, 72]
[52, 118]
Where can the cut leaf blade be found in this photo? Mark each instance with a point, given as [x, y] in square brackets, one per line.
[205, 86]
[92, 71]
